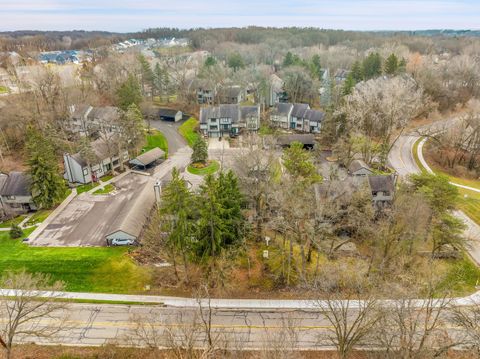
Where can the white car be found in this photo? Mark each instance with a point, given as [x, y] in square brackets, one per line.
[122, 242]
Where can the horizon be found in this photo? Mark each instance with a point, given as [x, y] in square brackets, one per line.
[126, 16]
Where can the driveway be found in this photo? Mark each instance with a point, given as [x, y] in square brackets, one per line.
[170, 130]
[87, 219]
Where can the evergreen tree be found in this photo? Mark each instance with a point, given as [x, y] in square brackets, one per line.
[147, 72]
[177, 210]
[391, 65]
[128, 93]
[132, 128]
[47, 185]
[316, 68]
[293, 60]
[402, 65]
[299, 164]
[357, 72]
[158, 78]
[210, 61]
[348, 85]
[372, 66]
[235, 61]
[15, 231]
[200, 151]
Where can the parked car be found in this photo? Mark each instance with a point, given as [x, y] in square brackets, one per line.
[122, 242]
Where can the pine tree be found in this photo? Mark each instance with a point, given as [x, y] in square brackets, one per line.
[177, 209]
[357, 72]
[200, 151]
[128, 93]
[47, 186]
[158, 77]
[316, 67]
[391, 65]
[132, 128]
[372, 66]
[348, 85]
[235, 61]
[299, 164]
[147, 73]
[210, 61]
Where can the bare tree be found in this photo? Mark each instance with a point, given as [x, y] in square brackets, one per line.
[27, 311]
[467, 318]
[352, 322]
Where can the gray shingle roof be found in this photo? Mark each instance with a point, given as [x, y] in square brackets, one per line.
[299, 109]
[249, 111]
[107, 113]
[358, 165]
[221, 111]
[314, 115]
[382, 183]
[306, 139]
[282, 109]
[17, 184]
[148, 157]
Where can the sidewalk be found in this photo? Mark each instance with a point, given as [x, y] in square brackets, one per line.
[273, 304]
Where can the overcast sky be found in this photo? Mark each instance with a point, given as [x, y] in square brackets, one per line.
[134, 15]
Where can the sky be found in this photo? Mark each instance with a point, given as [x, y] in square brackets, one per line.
[136, 15]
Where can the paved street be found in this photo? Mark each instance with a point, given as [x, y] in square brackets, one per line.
[170, 130]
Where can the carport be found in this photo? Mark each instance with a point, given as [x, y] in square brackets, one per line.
[147, 158]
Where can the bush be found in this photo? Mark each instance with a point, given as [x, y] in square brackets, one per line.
[15, 231]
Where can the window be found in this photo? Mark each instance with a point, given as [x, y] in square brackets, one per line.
[386, 193]
[374, 193]
[213, 120]
[85, 171]
[115, 163]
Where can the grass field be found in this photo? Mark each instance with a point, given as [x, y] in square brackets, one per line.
[10, 222]
[105, 190]
[107, 269]
[156, 139]
[39, 217]
[86, 187]
[212, 167]
[188, 130]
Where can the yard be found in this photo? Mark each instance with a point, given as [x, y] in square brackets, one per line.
[105, 190]
[107, 270]
[188, 130]
[156, 139]
[10, 222]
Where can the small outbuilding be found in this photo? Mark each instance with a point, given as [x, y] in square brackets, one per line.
[167, 114]
[359, 168]
[148, 158]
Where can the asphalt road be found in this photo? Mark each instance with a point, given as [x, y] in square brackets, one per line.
[170, 130]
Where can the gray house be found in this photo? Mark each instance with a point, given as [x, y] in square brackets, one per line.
[276, 93]
[86, 120]
[383, 189]
[78, 170]
[15, 195]
[297, 117]
[359, 168]
[232, 95]
[224, 120]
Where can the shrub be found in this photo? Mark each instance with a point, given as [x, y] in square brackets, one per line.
[15, 231]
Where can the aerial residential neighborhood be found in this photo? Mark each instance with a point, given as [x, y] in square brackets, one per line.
[224, 180]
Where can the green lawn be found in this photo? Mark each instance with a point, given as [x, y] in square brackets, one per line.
[106, 178]
[461, 277]
[188, 130]
[106, 189]
[39, 217]
[212, 167]
[86, 187]
[10, 222]
[156, 139]
[88, 269]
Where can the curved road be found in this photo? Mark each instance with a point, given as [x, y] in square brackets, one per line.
[402, 160]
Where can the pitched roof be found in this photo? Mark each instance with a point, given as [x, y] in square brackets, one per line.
[167, 112]
[299, 109]
[80, 111]
[358, 165]
[221, 111]
[134, 214]
[232, 91]
[314, 115]
[107, 113]
[148, 157]
[249, 111]
[282, 109]
[382, 183]
[17, 184]
[306, 139]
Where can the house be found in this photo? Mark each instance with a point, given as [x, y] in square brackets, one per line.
[276, 93]
[148, 158]
[382, 188]
[86, 120]
[280, 115]
[128, 224]
[78, 170]
[340, 75]
[298, 116]
[308, 140]
[232, 95]
[167, 114]
[359, 168]
[222, 120]
[15, 195]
